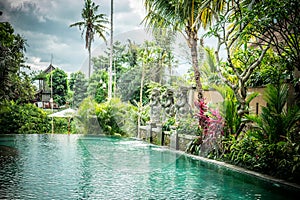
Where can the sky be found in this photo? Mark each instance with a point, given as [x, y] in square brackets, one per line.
[45, 26]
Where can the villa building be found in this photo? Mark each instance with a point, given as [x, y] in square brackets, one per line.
[43, 94]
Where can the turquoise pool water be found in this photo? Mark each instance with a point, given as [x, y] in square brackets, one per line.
[90, 167]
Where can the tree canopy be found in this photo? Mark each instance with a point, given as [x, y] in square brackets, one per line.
[186, 17]
[14, 82]
[59, 85]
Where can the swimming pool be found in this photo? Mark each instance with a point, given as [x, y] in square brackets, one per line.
[94, 167]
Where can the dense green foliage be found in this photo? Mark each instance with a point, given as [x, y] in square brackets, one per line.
[14, 83]
[59, 85]
[276, 122]
[97, 86]
[268, 142]
[229, 108]
[277, 159]
[78, 85]
[272, 70]
[110, 118]
[16, 90]
[271, 144]
[121, 57]
[22, 119]
[117, 118]
[86, 121]
[278, 24]
[61, 125]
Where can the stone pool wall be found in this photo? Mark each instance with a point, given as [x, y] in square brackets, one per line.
[184, 140]
[153, 133]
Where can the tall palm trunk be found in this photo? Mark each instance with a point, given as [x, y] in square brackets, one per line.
[192, 40]
[140, 104]
[90, 57]
[111, 50]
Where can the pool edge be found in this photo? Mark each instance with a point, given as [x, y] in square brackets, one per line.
[242, 170]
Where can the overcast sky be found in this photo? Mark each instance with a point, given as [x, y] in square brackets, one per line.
[45, 26]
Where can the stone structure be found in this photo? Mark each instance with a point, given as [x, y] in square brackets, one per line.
[152, 133]
[182, 106]
[163, 107]
[155, 106]
[167, 102]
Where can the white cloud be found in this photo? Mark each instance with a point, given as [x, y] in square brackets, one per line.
[36, 64]
[36, 60]
[138, 8]
[45, 26]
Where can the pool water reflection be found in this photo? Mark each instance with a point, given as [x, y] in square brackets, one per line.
[93, 167]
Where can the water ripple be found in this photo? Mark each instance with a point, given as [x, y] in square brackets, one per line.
[86, 167]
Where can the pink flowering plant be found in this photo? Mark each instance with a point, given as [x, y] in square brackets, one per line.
[212, 123]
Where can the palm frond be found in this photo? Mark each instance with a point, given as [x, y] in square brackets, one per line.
[251, 96]
[276, 97]
[291, 117]
[211, 59]
[181, 14]
[92, 23]
[275, 120]
[77, 24]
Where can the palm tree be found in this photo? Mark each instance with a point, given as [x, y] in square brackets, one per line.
[186, 17]
[163, 39]
[209, 66]
[92, 23]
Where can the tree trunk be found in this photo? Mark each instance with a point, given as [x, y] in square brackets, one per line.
[90, 57]
[194, 54]
[170, 68]
[140, 106]
[111, 50]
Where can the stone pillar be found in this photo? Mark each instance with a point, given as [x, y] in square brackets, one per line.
[160, 134]
[174, 138]
[149, 136]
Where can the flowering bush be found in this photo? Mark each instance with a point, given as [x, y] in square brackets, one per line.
[211, 123]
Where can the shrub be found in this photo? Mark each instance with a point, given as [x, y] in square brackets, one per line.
[60, 125]
[117, 118]
[189, 126]
[276, 122]
[22, 119]
[169, 122]
[86, 120]
[279, 159]
[110, 118]
[211, 124]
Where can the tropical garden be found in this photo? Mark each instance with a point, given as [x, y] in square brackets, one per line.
[255, 48]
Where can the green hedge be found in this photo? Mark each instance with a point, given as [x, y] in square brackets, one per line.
[22, 119]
